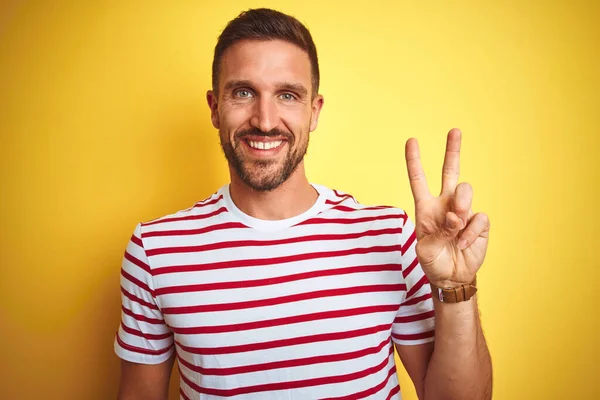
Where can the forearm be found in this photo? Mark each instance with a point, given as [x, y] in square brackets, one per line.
[460, 366]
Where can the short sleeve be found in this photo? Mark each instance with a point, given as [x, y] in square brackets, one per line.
[143, 336]
[414, 322]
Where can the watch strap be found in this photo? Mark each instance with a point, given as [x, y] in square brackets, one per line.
[455, 294]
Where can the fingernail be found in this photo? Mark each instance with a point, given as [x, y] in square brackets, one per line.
[462, 244]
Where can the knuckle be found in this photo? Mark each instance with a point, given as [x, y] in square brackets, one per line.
[469, 233]
[486, 220]
[466, 186]
[451, 172]
[462, 204]
[416, 175]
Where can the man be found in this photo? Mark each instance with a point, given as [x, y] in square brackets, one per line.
[274, 288]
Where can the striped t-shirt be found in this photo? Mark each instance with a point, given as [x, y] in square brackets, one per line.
[301, 308]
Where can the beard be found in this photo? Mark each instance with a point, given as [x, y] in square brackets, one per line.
[263, 175]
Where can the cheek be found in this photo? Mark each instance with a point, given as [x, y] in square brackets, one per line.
[296, 121]
[234, 118]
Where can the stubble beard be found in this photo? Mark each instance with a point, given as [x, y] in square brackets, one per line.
[263, 175]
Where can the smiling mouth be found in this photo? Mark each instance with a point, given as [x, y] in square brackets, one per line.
[264, 145]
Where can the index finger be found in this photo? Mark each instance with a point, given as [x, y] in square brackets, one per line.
[416, 175]
[451, 168]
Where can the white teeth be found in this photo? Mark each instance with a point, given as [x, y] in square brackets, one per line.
[264, 145]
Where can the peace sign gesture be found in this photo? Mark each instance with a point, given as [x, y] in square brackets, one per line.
[451, 240]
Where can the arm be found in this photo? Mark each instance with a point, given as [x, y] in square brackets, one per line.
[143, 341]
[451, 246]
[458, 366]
[415, 359]
[145, 381]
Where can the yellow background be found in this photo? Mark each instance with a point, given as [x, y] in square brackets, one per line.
[104, 123]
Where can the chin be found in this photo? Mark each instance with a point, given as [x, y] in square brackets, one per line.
[266, 179]
[264, 184]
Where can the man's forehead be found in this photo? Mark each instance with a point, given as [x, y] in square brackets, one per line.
[273, 60]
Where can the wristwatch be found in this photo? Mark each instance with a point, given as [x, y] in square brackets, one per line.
[455, 294]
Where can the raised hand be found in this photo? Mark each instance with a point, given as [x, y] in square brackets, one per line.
[452, 241]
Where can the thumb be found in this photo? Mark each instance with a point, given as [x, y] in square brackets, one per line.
[450, 228]
[428, 249]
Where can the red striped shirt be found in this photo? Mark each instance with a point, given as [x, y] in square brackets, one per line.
[301, 308]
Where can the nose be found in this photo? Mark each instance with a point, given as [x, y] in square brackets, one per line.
[265, 115]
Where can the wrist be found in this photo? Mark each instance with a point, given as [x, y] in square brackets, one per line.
[449, 284]
[452, 293]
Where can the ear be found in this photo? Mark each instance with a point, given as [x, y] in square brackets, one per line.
[317, 105]
[211, 98]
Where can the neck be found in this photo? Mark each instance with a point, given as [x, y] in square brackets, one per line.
[295, 196]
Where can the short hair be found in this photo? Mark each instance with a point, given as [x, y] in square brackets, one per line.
[266, 24]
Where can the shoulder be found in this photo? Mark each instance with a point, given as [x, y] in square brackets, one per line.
[343, 203]
[202, 210]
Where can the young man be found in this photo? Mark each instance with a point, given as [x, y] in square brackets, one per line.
[274, 288]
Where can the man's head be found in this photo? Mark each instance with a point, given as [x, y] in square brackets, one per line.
[265, 98]
[264, 24]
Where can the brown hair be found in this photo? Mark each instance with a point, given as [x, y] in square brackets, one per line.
[266, 24]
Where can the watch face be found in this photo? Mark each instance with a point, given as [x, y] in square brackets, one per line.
[440, 295]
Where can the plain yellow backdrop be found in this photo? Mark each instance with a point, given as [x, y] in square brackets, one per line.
[104, 123]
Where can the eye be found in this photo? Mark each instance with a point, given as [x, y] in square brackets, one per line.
[287, 97]
[244, 94]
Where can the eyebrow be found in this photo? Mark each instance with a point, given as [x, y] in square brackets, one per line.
[294, 87]
[237, 83]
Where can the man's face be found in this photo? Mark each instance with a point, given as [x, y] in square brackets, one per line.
[264, 110]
